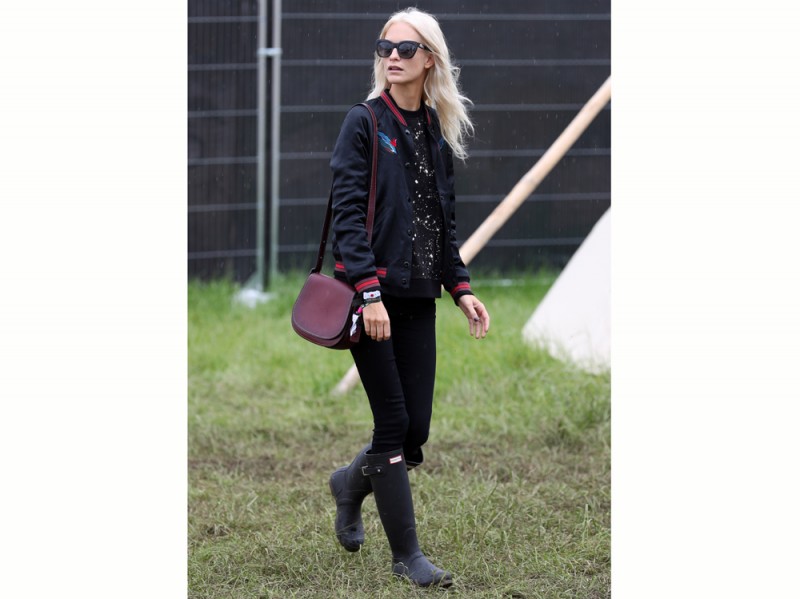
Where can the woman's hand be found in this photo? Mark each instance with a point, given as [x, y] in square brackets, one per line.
[476, 314]
[376, 321]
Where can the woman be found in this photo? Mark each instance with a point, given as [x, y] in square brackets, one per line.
[422, 123]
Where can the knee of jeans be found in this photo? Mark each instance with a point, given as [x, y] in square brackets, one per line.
[392, 433]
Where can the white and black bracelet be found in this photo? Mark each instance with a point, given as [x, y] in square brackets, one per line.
[371, 297]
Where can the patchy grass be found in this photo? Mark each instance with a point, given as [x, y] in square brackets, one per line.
[513, 498]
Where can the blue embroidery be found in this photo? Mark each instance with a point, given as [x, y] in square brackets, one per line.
[388, 144]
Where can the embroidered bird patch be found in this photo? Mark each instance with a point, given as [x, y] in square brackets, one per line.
[390, 145]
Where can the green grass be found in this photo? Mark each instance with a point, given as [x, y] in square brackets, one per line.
[513, 498]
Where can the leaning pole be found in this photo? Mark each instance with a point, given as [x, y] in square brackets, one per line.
[520, 192]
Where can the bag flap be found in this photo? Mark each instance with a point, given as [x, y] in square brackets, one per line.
[323, 307]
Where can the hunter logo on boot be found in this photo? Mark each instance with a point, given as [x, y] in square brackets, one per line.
[396, 459]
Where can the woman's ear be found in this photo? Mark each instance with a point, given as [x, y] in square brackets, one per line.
[429, 61]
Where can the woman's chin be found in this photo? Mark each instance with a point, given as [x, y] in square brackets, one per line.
[395, 76]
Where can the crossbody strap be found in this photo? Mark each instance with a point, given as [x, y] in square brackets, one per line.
[373, 186]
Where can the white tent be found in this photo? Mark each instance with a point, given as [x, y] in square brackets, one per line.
[573, 321]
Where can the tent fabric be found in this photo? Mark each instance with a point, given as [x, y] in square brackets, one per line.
[573, 321]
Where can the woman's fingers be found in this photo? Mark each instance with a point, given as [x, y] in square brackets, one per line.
[483, 315]
[376, 322]
[477, 315]
[481, 320]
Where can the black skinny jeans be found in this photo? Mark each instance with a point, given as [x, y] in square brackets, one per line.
[398, 376]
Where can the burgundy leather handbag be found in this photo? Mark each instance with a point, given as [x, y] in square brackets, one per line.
[325, 310]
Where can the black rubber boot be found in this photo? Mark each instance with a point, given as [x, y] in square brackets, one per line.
[415, 459]
[349, 487]
[389, 477]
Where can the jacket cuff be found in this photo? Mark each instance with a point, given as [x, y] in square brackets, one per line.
[368, 284]
[462, 288]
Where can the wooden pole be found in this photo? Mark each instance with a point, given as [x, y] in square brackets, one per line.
[347, 383]
[530, 181]
[520, 192]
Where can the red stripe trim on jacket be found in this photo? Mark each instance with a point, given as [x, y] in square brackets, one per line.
[392, 107]
[381, 272]
[366, 283]
[460, 287]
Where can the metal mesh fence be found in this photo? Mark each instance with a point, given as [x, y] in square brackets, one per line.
[529, 67]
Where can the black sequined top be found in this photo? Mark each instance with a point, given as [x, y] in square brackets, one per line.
[426, 266]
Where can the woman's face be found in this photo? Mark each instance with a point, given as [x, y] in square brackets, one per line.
[401, 71]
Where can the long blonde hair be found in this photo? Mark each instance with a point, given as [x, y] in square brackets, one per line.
[441, 90]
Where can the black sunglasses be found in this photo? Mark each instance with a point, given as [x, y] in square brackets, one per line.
[405, 49]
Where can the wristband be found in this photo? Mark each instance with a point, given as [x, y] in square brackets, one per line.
[370, 297]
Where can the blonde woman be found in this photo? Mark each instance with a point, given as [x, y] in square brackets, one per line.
[422, 123]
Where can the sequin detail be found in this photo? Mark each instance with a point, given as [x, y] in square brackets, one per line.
[427, 213]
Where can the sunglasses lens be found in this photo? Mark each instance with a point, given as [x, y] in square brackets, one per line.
[384, 48]
[406, 50]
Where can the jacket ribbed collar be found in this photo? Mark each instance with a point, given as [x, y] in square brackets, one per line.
[395, 109]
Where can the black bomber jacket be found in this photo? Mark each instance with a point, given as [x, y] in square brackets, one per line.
[386, 263]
